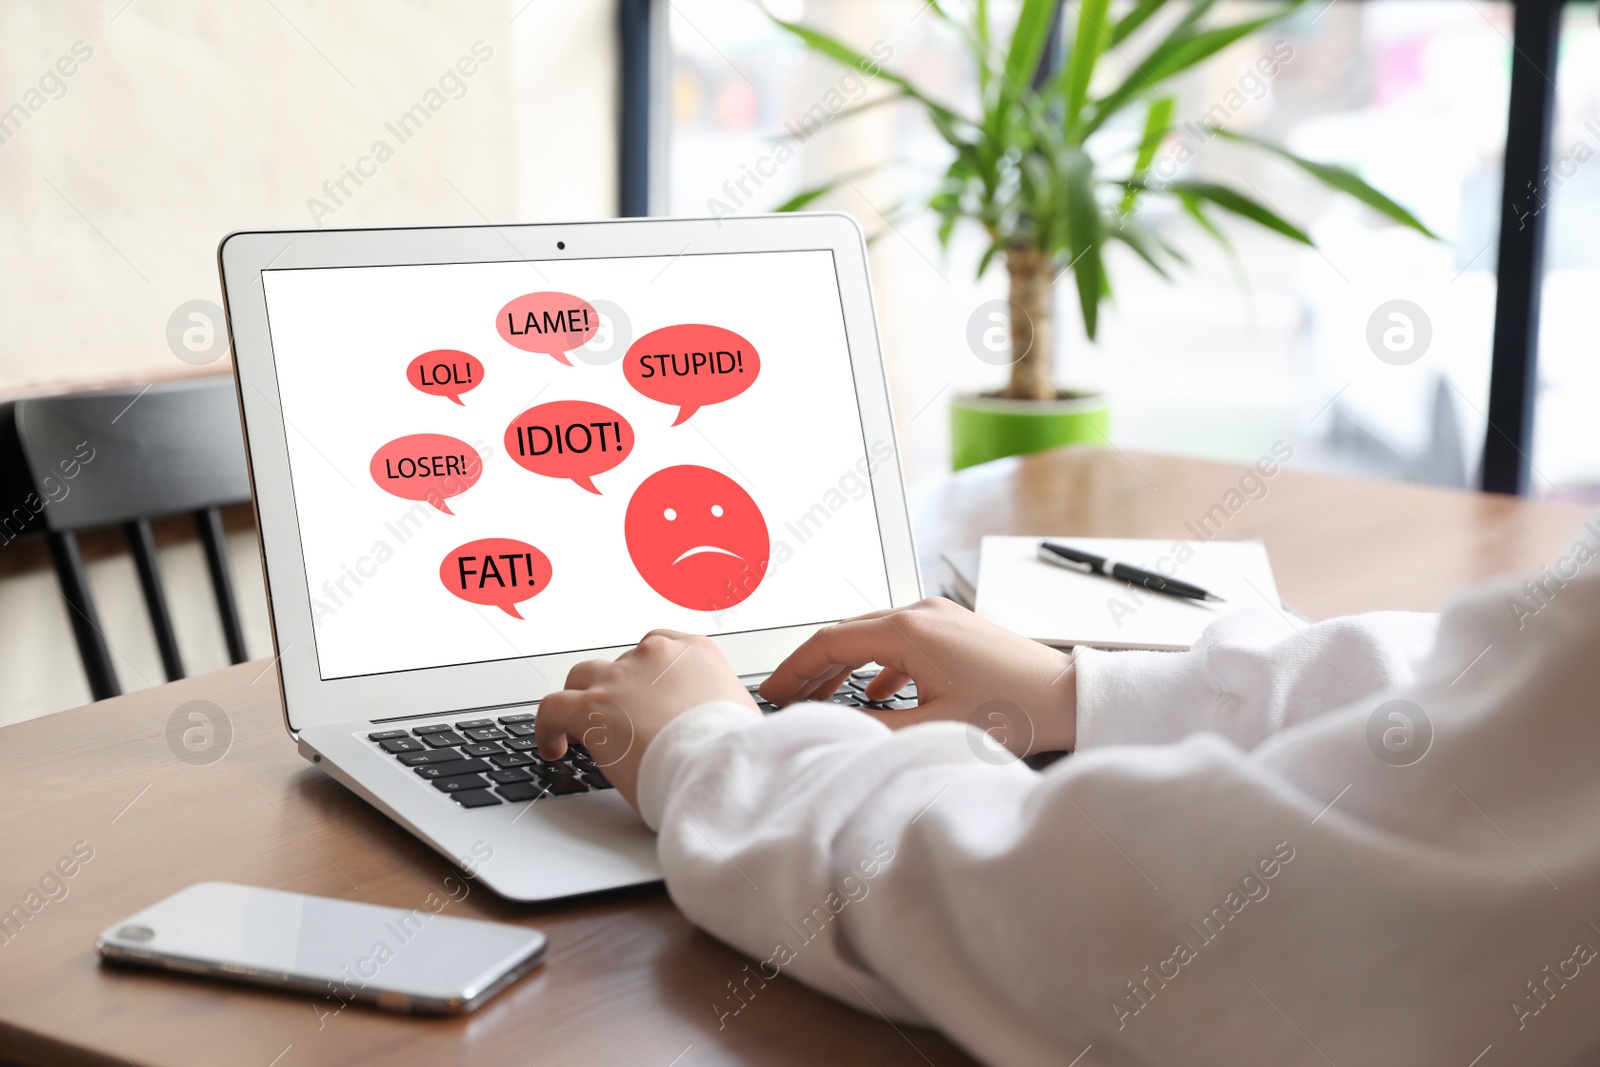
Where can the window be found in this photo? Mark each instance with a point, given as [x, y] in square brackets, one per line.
[1282, 342]
[1566, 453]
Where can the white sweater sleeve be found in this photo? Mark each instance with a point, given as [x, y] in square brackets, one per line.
[1322, 897]
[1251, 675]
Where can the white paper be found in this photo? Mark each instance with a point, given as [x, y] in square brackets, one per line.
[1065, 607]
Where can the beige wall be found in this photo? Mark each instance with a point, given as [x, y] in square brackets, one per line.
[182, 120]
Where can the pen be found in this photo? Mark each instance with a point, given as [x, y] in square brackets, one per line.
[1089, 563]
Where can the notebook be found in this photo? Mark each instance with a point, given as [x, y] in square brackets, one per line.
[963, 588]
[1064, 607]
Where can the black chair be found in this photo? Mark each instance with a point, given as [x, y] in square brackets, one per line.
[124, 457]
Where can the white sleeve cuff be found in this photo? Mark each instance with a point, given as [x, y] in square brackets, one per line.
[1131, 698]
[678, 742]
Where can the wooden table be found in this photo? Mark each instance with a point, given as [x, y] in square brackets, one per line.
[628, 981]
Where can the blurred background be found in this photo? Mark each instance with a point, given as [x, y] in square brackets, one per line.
[134, 134]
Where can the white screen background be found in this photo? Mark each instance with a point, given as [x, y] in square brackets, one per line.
[342, 339]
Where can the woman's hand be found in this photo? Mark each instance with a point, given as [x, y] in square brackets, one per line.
[1023, 694]
[616, 709]
[967, 669]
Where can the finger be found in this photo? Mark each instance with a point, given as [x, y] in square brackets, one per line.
[607, 735]
[651, 640]
[826, 687]
[888, 682]
[655, 644]
[585, 674]
[557, 712]
[677, 635]
[850, 644]
[899, 720]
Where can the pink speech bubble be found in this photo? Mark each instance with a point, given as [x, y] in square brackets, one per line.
[569, 439]
[445, 372]
[691, 366]
[552, 323]
[427, 466]
[497, 572]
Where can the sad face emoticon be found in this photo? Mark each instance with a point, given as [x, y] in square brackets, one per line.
[697, 538]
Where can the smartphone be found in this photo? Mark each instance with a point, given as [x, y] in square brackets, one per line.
[402, 960]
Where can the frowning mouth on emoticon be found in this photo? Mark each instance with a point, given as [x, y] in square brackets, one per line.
[697, 538]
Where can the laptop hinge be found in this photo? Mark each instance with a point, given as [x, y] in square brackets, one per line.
[458, 711]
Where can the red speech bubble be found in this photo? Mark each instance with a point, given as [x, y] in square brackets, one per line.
[569, 439]
[552, 323]
[697, 538]
[691, 366]
[445, 372]
[496, 571]
[427, 466]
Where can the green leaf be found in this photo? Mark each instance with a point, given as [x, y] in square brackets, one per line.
[1084, 231]
[1340, 178]
[1043, 198]
[988, 256]
[1087, 45]
[1197, 212]
[1138, 16]
[1241, 205]
[800, 201]
[1133, 233]
[1192, 17]
[1028, 41]
[1208, 43]
[1180, 50]
[846, 113]
[1157, 123]
[1171, 249]
[843, 53]
[1192, 205]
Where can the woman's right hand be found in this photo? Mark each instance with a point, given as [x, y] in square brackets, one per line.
[967, 669]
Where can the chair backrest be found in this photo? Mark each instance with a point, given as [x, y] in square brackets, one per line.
[101, 459]
[123, 457]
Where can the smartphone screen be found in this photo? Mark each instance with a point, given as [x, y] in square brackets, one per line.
[405, 960]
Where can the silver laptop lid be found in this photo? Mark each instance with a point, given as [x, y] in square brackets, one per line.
[481, 455]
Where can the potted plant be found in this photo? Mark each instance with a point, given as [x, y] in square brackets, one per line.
[1023, 170]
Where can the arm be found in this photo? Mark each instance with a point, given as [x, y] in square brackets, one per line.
[1182, 903]
[1251, 675]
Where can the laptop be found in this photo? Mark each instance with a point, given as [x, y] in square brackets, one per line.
[481, 455]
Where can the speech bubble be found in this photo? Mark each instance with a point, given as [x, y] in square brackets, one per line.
[697, 538]
[569, 439]
[427, 466]
[691, 366]
[552, 323]
[445, 372]
[496, 572]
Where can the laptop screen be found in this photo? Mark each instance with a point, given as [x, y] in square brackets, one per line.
[497, 460]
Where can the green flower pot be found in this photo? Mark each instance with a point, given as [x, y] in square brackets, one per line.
[991, 427]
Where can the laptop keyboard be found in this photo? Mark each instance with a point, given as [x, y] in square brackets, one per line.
[483, 762]
[480, 763]
[853, 694]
